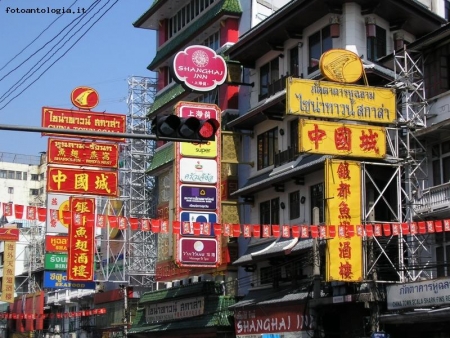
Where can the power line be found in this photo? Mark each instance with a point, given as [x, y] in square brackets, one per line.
[29, 44]
[107, 10]
[21, 81]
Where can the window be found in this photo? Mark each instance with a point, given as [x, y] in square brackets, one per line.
[376, 46]
[318, 43]
[293, 130]
[447, 9]
[11, 174]
[265, 275]
[34, 177]
[10, 190]
[294, 205]
[24, 176]
[268, 73]
[317, 201]
[213, 41]
[269, 211]
[186, 14]
[267, 147]
[2, 173]
[18, 175]
[42, 177]
[34, 192]
[442, 255]
[441, 162]
[294, 68]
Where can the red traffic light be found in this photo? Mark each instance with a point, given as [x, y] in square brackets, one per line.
[185, 129]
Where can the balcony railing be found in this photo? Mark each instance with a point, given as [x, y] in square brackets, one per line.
[433, 199]
[285, 156]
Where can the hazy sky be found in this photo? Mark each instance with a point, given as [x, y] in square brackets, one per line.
[110, 52]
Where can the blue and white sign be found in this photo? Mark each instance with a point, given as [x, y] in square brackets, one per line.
[198, 216]
[58, 280]
[198, 197]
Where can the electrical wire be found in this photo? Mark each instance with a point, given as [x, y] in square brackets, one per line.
[107, 10]
[25, 76]
[80, 17]
[32, 41]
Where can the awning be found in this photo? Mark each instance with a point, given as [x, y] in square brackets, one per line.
[163, 155]
[437, 130]
[304, 165]
[274, 104]
[262, 249]
[418, 315]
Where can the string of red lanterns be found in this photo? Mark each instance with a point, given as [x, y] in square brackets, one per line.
[82, 313]
[157, 225]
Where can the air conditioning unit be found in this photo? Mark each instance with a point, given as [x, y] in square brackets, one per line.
[72, 335]
[194, 279]
[176, 282]
[168, 285]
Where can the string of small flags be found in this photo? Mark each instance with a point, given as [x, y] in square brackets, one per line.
[83, 313]
[157, 225]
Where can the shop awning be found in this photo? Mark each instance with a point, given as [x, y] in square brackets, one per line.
[262, 249]
[163, 156]
[418, 315]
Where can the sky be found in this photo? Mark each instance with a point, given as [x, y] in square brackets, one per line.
[109, 51]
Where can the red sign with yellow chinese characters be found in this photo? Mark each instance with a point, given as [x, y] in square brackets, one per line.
[356, 140]
[88, 121]
[93, 154]
[82, 181]
[343, 211]
[80, 264]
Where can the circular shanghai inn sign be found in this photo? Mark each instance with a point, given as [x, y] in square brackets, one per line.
[199, 68]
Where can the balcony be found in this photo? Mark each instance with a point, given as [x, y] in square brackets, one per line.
[433, 200]
[274, 87]
[285, 156]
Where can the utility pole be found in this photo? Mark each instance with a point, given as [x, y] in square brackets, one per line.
[125, 309]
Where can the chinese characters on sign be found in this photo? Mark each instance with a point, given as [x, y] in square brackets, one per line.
[93, 154]
[82, 181]
[80, 265]
[321, 137]
[343, 210]
[9, 270]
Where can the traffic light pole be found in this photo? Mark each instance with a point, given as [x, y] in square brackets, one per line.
[88, 133]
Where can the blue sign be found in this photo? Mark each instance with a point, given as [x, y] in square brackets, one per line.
[198, 216]
[58, 280]
[380, 335]
[198, 197]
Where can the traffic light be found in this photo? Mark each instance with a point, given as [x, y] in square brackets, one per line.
[189, 129]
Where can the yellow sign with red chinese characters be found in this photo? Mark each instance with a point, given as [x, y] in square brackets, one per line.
[343, 211]
[325, 99]
[356, 140]
[9, 271]
[80, 264]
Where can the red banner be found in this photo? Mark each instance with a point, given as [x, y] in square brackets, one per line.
[92, 154]
[80, 262]
[81, 181]
[88, 121]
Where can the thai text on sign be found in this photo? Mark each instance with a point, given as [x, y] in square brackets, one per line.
[95, 154]
[321, 137]
[81, 181]
[80, 265]
[88, 121]
[343, 209]
[340, 101]
[183, 308]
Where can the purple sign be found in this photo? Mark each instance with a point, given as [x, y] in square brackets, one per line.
[198, 250]
[195, 197]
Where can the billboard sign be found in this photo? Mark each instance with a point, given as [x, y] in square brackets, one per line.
[9, 234]
[56, 205]
[91, 154]
[84, 97]
[56, 243]
[82, 181]
[199, 251]
[68, 119]
[58, 280]
[55, 261]
[197, 170]
[198, 197]
[199, 68]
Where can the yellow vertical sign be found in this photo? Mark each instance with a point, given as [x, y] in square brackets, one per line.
[9, 271]
[343, 210]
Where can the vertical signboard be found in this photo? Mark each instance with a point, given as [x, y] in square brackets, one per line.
[9, 270]
[80, 265]
[343, 211]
